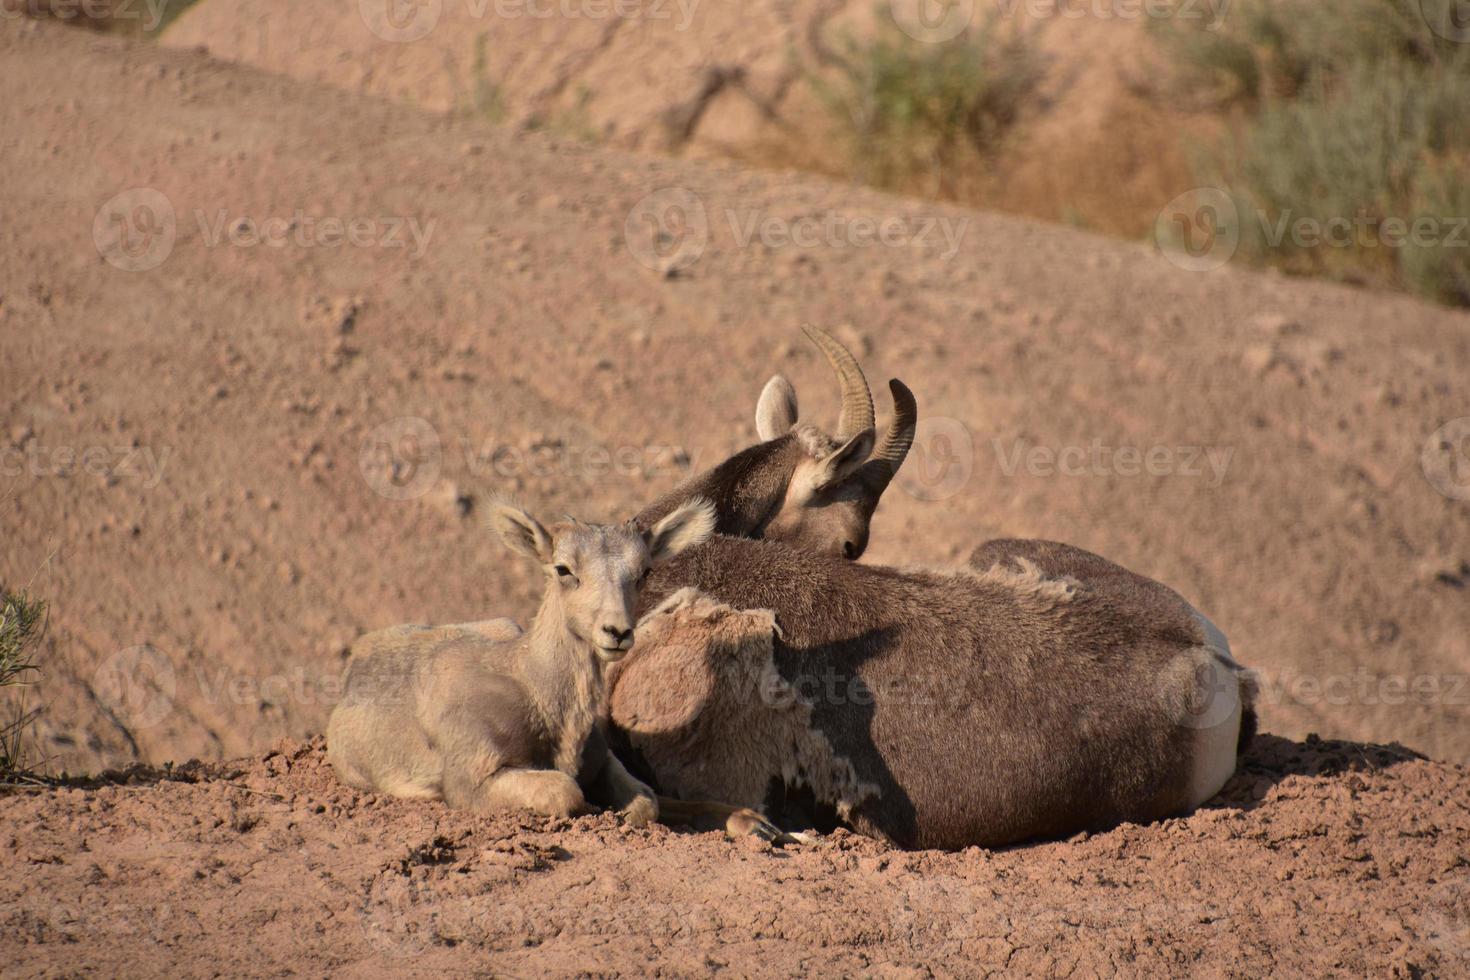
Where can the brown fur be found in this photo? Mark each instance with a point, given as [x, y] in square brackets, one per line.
[1045, 693]
[701, 662]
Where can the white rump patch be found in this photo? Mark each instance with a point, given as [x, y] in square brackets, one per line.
[1222, 690]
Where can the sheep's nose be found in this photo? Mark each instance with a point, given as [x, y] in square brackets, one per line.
[849, 550]
[621, 638]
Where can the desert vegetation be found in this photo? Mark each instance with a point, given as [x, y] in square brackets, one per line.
[22, 621]
[927, 118]
[1350, 115]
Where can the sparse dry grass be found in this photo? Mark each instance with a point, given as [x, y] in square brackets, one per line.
[22, 621]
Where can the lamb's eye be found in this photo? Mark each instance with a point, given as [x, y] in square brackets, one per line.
[563, 571]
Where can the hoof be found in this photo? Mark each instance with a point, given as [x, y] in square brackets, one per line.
[641, 812]
[749, 823]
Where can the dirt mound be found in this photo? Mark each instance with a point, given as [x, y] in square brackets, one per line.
[225, 458]
[1318, 859]
[733, 80]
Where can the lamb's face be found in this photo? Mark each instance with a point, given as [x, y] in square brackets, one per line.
[597, 570]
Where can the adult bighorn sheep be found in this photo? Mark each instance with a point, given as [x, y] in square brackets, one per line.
[1041, 692]
[804, 488]
[799, 485]
[485, 717]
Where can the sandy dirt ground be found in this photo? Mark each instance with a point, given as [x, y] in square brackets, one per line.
[1319, 859]
[226, 459]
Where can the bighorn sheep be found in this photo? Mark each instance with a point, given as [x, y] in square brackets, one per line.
[800, 485]
[1043, 692]
[485, 717]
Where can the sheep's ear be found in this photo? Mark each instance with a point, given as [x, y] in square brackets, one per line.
[686, 527]
[521, 532]
[847, 460]
[775, 413]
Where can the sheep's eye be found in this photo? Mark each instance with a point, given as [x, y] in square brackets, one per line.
[644, 577]
[563, 571]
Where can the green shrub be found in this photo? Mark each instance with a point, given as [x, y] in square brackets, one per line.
[22, 622]
[1352, 111]
[906, 111]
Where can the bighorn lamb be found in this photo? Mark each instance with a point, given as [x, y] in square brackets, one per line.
[485, 717]
[1044, 692]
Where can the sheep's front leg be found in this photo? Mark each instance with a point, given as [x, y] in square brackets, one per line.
[546, 791]
[614, 784]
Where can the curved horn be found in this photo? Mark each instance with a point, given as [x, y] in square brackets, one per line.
[857, 400]
[891, 450]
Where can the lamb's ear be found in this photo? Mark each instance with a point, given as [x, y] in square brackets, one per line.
[845, 461]
[775, 413]
[521, 532]
[686, 527]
